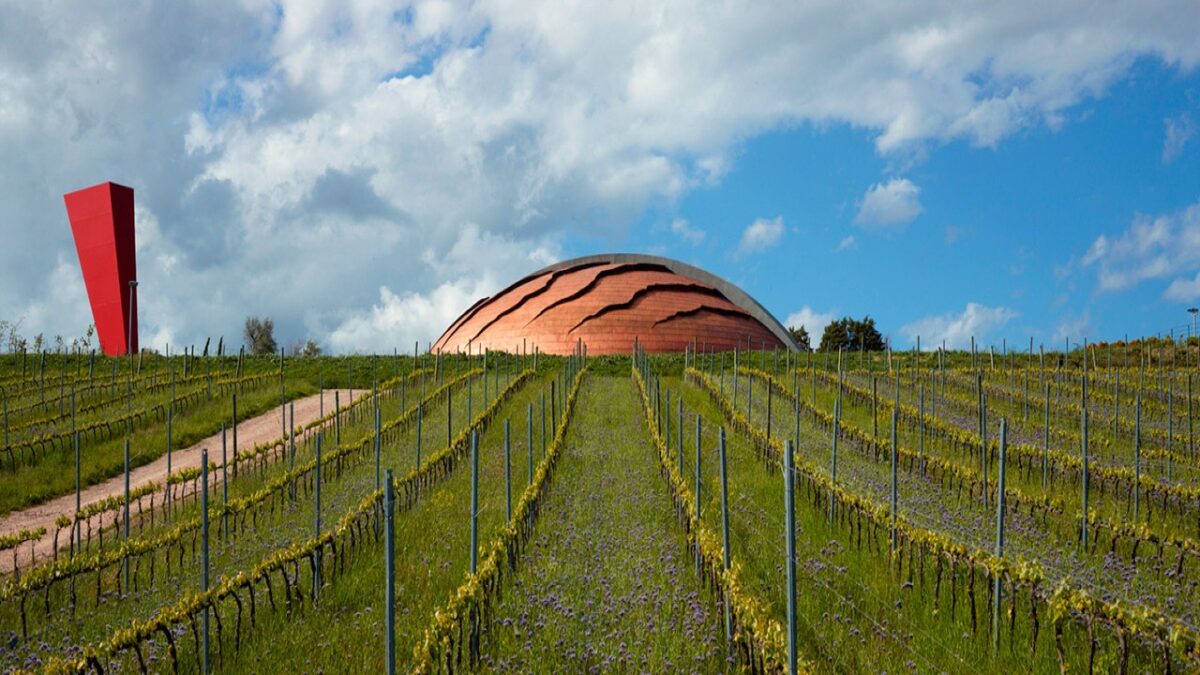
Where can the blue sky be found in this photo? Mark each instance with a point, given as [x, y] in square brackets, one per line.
[362, 172]
[1003, 226]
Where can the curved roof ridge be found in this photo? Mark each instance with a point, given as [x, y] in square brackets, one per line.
[731, 291]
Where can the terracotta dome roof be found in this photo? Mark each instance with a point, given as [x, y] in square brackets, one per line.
[606, 301]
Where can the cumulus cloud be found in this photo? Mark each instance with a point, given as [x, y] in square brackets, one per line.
[760, 235]
[1154, 247]
[957, 329]
[681, 229]
[813, 321]
[893, 203]
[1184, 290]
[1179, 131]
[299, 156]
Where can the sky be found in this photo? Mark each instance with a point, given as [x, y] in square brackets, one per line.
[363, 171]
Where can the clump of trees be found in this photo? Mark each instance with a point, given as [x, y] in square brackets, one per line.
[307, 348]
[260, 335]
[852, 335]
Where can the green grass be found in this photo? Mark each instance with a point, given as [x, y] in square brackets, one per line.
[606, 582]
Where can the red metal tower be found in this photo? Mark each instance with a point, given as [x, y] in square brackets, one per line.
[102, 221]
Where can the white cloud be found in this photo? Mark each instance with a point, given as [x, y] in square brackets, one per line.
[847, 243]
[1154, 247]
[1073, 328]
[814, 322]
[893, 203]
[976, 321]
[299, 155]
[1184, 289]
[761, 234]
[1180, 130]
[692, 235]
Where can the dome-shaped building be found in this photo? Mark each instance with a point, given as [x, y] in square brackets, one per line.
[608, 301]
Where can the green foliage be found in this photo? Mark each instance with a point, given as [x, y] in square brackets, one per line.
[851, 335]
[800, 335]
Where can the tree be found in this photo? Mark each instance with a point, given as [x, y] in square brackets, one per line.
[800, 335]
[851, 335]
[835, 336]
[260, 334]
[307, 348]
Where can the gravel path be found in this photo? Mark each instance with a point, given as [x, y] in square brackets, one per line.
[263, 428]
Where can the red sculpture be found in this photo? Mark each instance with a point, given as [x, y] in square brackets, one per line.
[102, 221]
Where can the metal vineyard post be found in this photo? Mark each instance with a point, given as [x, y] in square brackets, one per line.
[790, 548]
[999, 537]
[378, 475]
[725, 530]
[225, 488]
[126, 512]
[389, 594]
[204, 548]
[234, 431]
[317, 523]
[78, 495]
[1137, 455]
[474, 500]
[892, 533]
[507, 473]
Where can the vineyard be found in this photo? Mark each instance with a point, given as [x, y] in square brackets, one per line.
[758, 511]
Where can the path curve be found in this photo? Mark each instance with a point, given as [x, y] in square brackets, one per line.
[250, 432]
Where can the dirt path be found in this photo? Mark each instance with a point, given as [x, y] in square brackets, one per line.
[255, 430]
